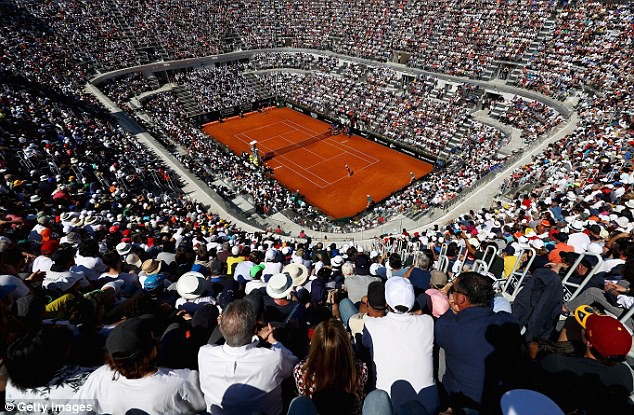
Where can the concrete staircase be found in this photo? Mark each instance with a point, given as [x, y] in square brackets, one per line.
[257, 85]
[544, 35]
[499, 109]
[458, 139]
[231, 41]
[187, 100]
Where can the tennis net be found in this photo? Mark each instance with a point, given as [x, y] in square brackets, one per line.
[283, 150]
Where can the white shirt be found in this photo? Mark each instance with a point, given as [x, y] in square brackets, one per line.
[42, 263]
[194, 304]
[59, 389]
[253, 285]
[271, 268]
[125, 276]
[241, 380]
[168, 391]
[244, 268]
[402, 346]
[579, 241]
[91, 266]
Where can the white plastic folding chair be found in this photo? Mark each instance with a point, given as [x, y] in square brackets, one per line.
[571, 289]
[514, 282]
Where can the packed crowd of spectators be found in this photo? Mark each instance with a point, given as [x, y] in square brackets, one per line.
[461, 38]
[218, 87]
[409, 118]
[124, 88]
[586, 43]
[100, 253]
[473, 155]
[532, 117]
[297, 60]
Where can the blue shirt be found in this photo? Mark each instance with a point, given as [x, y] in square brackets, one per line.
[468, 339]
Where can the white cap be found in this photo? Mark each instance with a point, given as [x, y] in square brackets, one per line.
[399, 292]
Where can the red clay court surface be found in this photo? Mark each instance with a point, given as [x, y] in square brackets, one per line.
[318, 170]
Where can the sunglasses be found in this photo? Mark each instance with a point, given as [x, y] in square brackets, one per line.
[453, 290]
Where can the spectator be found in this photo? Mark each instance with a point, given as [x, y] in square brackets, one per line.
[330, 371]
[131, 364]
[477, 375]
[601, 382]
[257, 372]
[356, 285]
[401, 345]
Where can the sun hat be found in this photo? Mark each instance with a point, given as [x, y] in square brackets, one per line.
[337, 261]
[123, 248]
[133, 259]
[153, 281]
[130, 339]
[280, 285]
[298, 272]
[190, 285]
[151, 266]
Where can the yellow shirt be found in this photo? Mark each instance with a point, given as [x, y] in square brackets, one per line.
[232, 261]
[509, 264]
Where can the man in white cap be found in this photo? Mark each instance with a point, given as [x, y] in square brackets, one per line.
[401, 345]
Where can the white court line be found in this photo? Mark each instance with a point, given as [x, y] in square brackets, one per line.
[330, 141]
[329, 183]
[248, 138]
[304, 172]
[266, 126]
[299, 125]
[307, 168]
[369, 157]
[300, 174]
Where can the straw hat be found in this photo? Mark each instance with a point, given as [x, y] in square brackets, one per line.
[298, 272]
[151, 266]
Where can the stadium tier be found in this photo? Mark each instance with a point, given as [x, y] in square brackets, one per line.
[287, 207]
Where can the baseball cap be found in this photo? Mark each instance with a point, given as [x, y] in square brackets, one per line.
[362, 264]
[438, 278]
[607, 335]
[399, 292]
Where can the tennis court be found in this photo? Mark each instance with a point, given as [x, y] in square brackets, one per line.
[318, 169]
